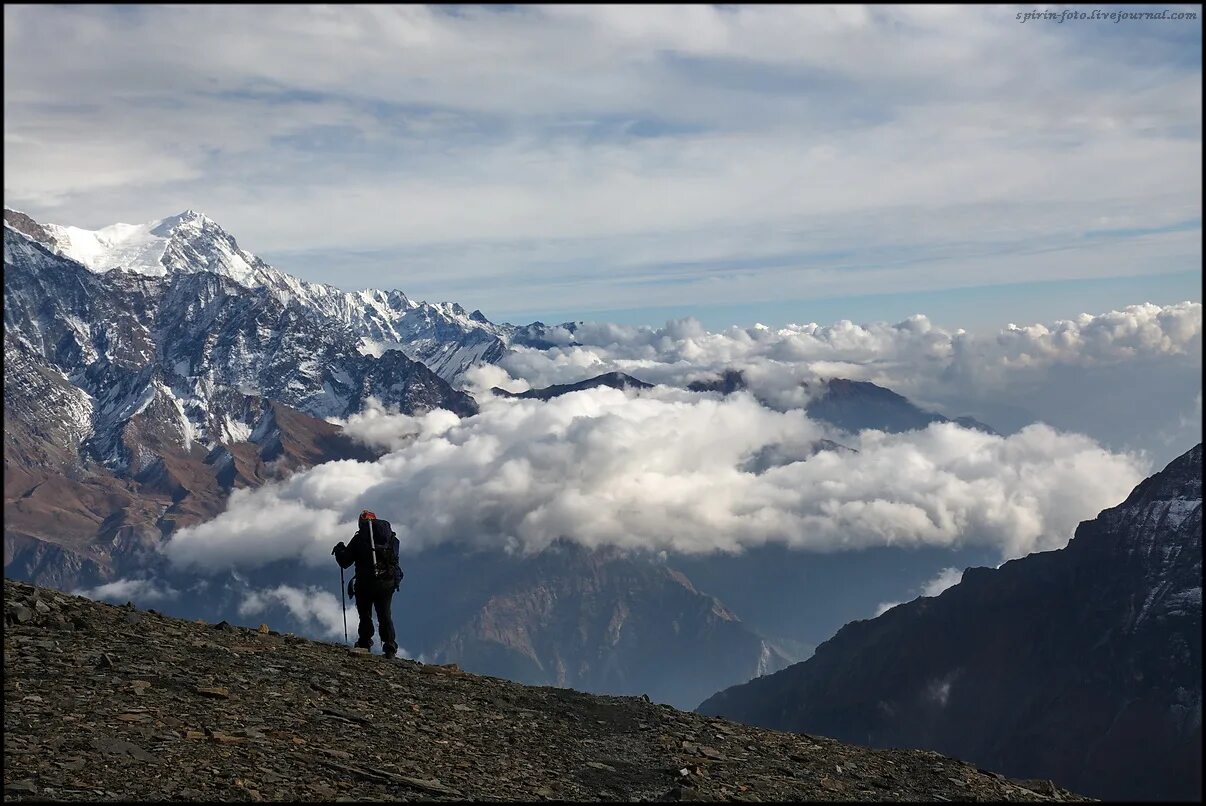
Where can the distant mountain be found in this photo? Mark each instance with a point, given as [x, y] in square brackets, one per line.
[1082, 664]
[602, 621]
[614, 380]
[856, 405]
[850, 405]
[728, 382]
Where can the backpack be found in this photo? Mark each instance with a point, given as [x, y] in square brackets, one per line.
[385, 550]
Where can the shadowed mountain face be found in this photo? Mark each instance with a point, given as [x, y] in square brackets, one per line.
[1082, 664]
[855, 405]
[799, 599]
[605, 622]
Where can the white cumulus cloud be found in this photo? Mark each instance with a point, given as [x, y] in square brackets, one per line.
[946, 578]
[130, 590]
[309, 605]
[906, 356]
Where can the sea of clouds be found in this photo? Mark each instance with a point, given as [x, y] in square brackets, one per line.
[671, 470]
[915, 358]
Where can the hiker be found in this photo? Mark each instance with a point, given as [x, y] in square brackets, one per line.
[374, 550]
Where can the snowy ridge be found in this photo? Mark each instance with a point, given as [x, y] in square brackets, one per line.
[145, 363]
[444, 336]
[1157, 534]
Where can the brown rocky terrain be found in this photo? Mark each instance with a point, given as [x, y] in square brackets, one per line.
[103, 702]
[68, 526]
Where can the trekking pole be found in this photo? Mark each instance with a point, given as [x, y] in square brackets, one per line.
[344, 602]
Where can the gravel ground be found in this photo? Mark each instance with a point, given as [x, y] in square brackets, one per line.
[105, 702]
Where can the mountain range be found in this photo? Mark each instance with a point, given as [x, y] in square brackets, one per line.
[1082, 664]
[152, 370]
[136, 400]
[604, 621]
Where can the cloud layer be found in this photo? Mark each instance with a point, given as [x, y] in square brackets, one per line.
[1126, 359]
[895, 354]
[667, 471]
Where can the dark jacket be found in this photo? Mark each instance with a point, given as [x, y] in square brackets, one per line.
[359, 551]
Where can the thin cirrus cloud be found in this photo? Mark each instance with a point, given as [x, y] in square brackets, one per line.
[547, 157]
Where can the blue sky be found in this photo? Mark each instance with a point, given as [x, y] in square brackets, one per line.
[746, 164]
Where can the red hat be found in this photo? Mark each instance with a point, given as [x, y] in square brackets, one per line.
[367, 515]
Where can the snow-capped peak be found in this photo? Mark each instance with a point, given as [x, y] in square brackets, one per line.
[186, 242]
[189, 218]
[118, 246]
[442, 335]
[140, 248]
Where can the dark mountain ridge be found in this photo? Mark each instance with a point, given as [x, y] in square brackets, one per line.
[614, 380]
[1082, 664]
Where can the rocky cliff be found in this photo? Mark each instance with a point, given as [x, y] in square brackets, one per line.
[111, 703]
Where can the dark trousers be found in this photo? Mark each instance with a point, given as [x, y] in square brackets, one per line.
[368, 599]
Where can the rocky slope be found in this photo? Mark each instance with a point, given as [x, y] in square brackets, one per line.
[1082, 664]
[111, 703]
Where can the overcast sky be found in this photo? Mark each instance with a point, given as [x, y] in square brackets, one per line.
[748, 164]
